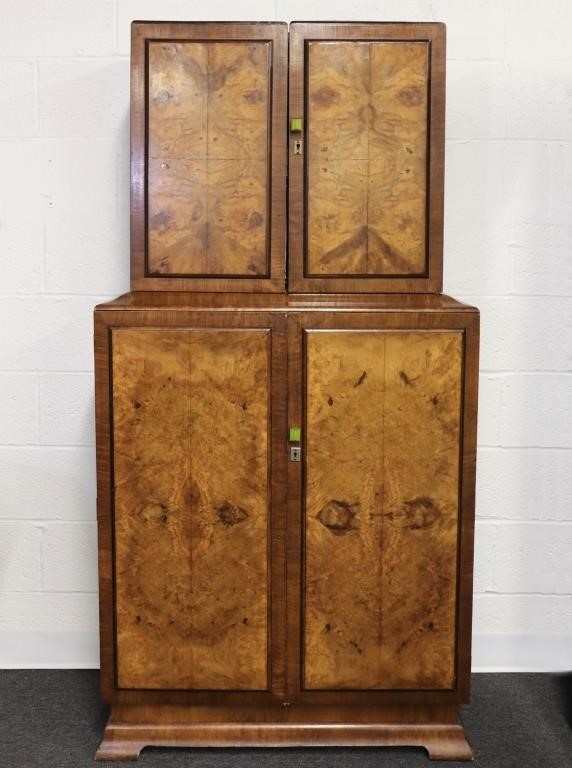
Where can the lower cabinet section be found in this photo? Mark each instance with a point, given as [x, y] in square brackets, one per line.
[285, 506]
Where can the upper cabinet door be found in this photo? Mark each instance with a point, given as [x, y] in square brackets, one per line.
[208, 156]
[366, 160]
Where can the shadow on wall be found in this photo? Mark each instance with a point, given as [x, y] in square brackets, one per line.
[86, 111]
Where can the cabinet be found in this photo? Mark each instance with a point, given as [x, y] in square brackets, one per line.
[285, 478]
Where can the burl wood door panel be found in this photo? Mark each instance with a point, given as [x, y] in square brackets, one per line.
[367, 154]
[367, 107]
[191, 495]
[383, 430]
[213, 208]
[208, 158]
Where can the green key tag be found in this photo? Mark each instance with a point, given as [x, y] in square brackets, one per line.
[296, 124]
[294, 435]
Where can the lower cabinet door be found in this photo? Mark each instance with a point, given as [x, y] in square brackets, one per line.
[381, 498]
[191, 491]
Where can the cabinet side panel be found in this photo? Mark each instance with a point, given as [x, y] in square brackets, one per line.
[367, 156]
[190, 422]
[383, 432]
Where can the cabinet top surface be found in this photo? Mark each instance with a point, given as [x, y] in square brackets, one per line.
[178, 300]
[139, 23]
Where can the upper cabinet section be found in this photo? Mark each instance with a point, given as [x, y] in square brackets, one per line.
[366, 158]
[210, 137]
[208, 158]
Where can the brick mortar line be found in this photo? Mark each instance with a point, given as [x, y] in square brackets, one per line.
[566, 595]
[506, 521]
[40, 446]
[71, 57]
[48, 592]
[523, 448]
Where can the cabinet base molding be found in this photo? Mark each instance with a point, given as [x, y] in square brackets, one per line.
[130, 728]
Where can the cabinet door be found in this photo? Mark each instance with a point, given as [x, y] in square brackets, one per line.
[208, 156]
[191, 495]
[381, 517]
[366, 171]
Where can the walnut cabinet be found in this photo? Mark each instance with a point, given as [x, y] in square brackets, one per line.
[286, 437]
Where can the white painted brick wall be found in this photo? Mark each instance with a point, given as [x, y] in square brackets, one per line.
[63, 110]
[536, 410]
[522, 614]
[67, 409]
[20, 408]
[60, 612]
[68, 564]
[47, 332]
[18, 98]
[64, 202]
[524, 484]
[88, 181]
[20, 557]
[478, 257]
[50, 28]
[48, 483]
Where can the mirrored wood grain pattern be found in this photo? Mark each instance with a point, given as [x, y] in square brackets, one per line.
[367, 118]
[207, 185]
[383, 431]
[190, 419]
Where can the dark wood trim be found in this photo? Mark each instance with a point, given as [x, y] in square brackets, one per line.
[138, 127]
[175, 301]
[277, 34]
[277, 511]
[432, 32]
[467, 500]
[295, 482]
[104, 505]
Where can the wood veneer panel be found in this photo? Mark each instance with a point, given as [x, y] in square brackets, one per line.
[190, 420]
[422, 424]
[177, 99]
[367, 152]
[343, 537]
[398, 146]
[208, 158]
[382, 509]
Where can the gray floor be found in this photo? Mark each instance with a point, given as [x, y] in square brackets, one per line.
[54, 719]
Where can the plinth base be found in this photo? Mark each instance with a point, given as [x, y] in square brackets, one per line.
[130, 728]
